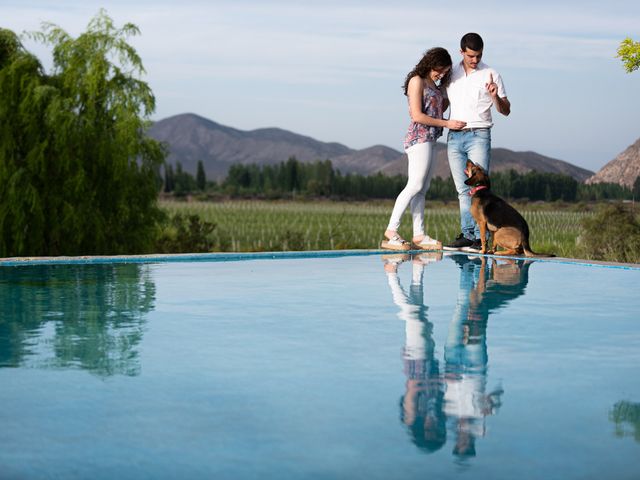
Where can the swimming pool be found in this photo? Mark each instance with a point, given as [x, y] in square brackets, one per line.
[319, 366]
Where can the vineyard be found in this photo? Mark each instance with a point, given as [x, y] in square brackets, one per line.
[253, 225]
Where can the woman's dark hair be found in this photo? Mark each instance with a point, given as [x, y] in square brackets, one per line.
[472, 41]
[434, 58]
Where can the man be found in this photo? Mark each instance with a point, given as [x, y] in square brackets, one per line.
[474, 89]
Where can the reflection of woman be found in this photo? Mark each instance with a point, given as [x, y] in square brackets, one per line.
[425, 89]
[459, 394]
[421, 405]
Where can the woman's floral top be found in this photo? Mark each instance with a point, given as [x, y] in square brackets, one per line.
[432, 105]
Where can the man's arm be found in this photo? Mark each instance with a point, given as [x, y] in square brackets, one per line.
[502, 103]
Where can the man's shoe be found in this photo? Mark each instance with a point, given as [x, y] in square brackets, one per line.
[460, 259]
[458, 244]
[475, 247]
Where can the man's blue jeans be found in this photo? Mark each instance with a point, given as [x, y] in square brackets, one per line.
[463, 145]
[460, 354]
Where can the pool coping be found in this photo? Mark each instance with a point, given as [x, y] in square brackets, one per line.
[238, 256]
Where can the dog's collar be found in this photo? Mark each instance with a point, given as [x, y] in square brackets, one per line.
[476, 188]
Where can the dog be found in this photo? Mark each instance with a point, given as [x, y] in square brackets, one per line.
[508, 228]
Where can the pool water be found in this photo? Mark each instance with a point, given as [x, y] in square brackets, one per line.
[362, 366]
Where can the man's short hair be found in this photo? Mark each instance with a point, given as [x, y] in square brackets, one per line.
[472, 41]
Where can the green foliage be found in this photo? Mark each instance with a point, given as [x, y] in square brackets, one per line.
[78, 175]
[603, 191]
[534, 186]
[636, 188]
[575, 231]
[258, 225]
[629, 53]
[169, 178]
[613, 234]
[442, 189]
[186, 233]
[183, 182]
[551, 187]
[201, 177]
[293, 240]
[318, 179]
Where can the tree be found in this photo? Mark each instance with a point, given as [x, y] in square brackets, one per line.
[184, 181]
[291, 172]
[629, 53]
[636, 188]
[201, 176]
[169, 178]
[77, 170]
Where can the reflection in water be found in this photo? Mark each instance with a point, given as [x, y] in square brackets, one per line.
[481, 290]
[458, 394]
[86, 316]
[422, 404]
[626, 414]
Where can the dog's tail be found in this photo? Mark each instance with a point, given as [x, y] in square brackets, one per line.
[530, 253]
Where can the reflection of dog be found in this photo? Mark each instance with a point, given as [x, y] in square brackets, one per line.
[508, 228]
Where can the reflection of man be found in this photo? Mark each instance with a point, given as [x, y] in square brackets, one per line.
[466, 360]
[421, 405]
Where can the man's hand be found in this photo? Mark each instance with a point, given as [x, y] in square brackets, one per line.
[492, 87]
[502, 103]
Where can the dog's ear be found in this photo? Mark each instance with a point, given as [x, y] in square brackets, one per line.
[470, 164]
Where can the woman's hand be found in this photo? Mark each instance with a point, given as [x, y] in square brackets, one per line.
[455, 124]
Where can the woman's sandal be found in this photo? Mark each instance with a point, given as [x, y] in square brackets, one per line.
[425, 258]
[392, 260]
[395, 258]
[428, 244]
[396, 243]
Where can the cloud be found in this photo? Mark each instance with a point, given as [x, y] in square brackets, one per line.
[334, 67]
[340, 42]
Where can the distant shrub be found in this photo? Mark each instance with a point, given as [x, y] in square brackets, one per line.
[186, 234]
[613, 234]
[293, 240]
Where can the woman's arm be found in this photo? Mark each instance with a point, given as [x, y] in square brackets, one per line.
[415, 91]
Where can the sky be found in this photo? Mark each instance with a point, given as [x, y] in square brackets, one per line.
[333, 70]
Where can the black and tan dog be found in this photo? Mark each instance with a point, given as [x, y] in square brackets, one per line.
[508, 228]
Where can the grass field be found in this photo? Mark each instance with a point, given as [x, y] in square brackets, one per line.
[254, 225]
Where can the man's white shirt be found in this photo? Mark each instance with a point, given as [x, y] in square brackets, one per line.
[468, 95]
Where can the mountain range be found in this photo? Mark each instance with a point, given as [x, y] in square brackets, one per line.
[191, 138]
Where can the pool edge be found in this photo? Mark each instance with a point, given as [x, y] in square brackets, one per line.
[239, 256]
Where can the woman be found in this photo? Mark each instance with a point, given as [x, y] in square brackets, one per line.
[425, 88]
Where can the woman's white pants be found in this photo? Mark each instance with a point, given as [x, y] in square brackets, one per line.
[420, 173]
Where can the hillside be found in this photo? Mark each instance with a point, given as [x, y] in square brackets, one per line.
[502, 159]
[623, 170]
[191, 138]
